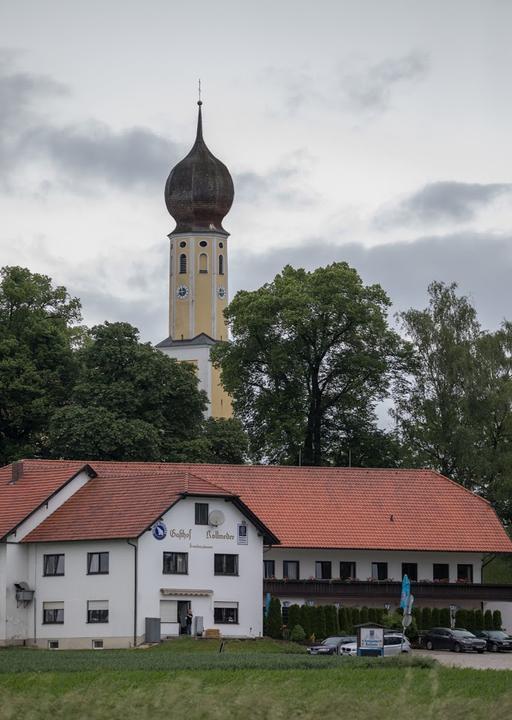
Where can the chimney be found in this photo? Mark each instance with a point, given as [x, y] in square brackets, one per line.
[17, 472]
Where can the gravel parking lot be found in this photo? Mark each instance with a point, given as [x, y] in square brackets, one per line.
[487, 661]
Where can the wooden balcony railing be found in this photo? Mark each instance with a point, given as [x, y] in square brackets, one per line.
[339, 590]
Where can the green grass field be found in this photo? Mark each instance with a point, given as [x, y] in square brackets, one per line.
[261, 680]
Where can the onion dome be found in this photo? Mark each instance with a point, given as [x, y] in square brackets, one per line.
[199, 190]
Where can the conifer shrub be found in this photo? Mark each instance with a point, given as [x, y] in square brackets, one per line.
[297, 634]
[331, 620]
[436, 617]
[275, 619]
[416, 613]
[470, 620]
[488, 623]
[426, 619]
[343, 621]
[372, 615]
[364, 615]
[479, 620]
[444, 617]
[356, 617]
[293, 616]
[319, 628]
[305, 619]
[496, 620]
[461, 618]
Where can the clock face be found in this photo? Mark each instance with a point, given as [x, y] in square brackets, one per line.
[182, 291]
[221, 292]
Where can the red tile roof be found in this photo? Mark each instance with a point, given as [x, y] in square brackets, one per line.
[120, 503]
[39, 480]
[304, 507]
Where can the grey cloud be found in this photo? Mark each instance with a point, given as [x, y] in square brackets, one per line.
[442, 201]
[80, 155]
[481, 264]
[275, 186]
[370, 89]
[148, 314]
[93, 151]
[357, 88]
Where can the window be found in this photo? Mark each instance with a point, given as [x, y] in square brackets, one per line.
[183, 264]
[411, 570]
[97, 563]
[291, 569]
[175, 563]
[203, 263]
[226, 565]
[203, 243]
[53, 613]
[97, 644]
[379, 571]
[97, 611]
[269, 568]
[347, 570]
[53, 644]
[201, 513]
[441, 572]
[221, 264]
[465, 573]
[242, 537]
[225, 612]
[53, 565]
[323, 570]
[285, 612]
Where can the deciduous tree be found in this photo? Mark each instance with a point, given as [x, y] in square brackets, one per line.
[38, 328]
[311, 354]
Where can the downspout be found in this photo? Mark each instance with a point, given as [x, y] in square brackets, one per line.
[135, 589]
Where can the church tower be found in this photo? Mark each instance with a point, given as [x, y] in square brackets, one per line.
[198, 195]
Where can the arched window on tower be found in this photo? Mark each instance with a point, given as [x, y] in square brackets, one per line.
[183, 264]
[203, 263]
[221, 264]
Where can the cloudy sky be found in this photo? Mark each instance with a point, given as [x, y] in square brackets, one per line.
[375, 131]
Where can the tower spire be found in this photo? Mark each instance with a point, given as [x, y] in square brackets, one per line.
[199, 134]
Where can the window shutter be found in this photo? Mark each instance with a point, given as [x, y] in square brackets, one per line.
[97, 605]
[53, 606]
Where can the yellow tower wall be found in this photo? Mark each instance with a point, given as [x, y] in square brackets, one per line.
[198, 297]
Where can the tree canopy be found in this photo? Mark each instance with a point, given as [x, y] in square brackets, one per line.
[311, 354]
[453, 410]
[130, 402]
[38, 368]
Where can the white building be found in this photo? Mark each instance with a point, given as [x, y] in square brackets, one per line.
[102, 550]
[88, 552]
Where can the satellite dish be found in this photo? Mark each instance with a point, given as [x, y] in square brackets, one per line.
[216, 518]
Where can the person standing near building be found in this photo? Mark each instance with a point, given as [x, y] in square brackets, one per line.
[189, 621]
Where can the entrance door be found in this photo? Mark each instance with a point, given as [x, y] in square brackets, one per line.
[183, 608]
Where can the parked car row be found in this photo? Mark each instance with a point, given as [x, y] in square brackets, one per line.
[457, 640]
[394, 644]
[461, 640]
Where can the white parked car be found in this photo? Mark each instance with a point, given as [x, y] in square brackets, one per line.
[392, 645]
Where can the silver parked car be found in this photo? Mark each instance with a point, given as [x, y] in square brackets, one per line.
[331, 645]
[394, 644]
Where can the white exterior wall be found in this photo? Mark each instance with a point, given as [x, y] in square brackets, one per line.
[24, 562]
[245, 589]
[364, 559]
[3, 590]
[201, 355]
[76, 587]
